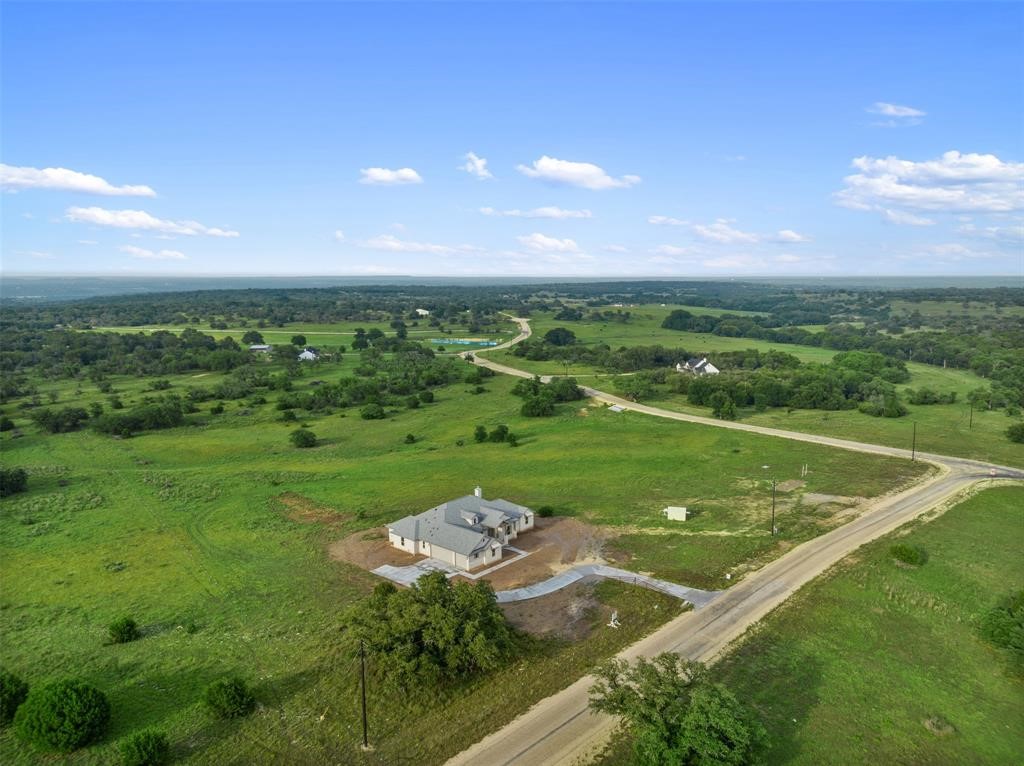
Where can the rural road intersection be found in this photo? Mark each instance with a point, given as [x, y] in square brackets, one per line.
[562, 730]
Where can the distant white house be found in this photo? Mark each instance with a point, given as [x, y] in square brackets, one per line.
[423, 312]
[260, 348]
[467, 533]
[698, 367]
[309, 354]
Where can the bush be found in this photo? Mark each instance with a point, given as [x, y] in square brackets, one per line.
[1003, 624]
[303, 438]
[538, 407]
[480, 434]
[12, 481]
[146, 748]
[372, 412]
[426, 396]
[410, 438]
[412, 402]
[124, 630]
[545, 511]
[6, 424]
[229, 698]
[289, 416]
[498, 434]
[1015, 433]
[12, 693]
[62, 716]
[217, 409]
[909, 554]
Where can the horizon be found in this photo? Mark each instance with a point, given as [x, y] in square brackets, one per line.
[620, 141]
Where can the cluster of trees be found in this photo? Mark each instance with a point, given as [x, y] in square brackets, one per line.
[997, 354]
[434, 632]
[499, 434]
[167, 412]
[851, 379]
[676, 714]
[624, 359]
[69, 354]
[12, 481]
[1003, 626]
[539, 399]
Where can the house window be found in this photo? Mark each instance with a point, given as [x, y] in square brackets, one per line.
[476, 555]
[403, 541]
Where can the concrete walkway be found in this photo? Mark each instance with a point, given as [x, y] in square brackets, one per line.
[693, 596]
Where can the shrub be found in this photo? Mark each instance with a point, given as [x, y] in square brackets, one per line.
[289, 416]
[12, 693]
[229, 698]
[1003, 624]
[545, 511]
[1015, 433]
[146, 748]
[217, 409]
[372, 411]
[512, 440]
[412, 402]
[303, 438]
[62, 716]
[537, 407]
[426, 396]
[498, 434]
[909, 554]
[123, 630]
[480, 434]
[6, 424]
[12, 481]
[410, 439]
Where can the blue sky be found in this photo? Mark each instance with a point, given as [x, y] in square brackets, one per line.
[660, 139]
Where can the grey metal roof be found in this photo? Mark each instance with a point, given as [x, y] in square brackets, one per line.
[459, 525]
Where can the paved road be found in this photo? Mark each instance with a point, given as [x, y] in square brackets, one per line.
[561, 730]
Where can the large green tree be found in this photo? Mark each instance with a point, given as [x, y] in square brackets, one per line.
[677, 716]
[432, 632]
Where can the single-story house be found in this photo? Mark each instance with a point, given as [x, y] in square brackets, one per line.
[422, 312]
[309, 354]
[698, 367]
[260, 348]
[467, 533]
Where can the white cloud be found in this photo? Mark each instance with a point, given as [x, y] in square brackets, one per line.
[788, 235]
[672, 250]
[788, 258]
[538, 212]
[62, 179]
[953, 183]
[151, 255]
[894, 110]
[541, 243]
[139, 219]
[664, 220]
[391, 243]
[339, 235]
[721, 231]
[583, 174]
[27, 216]
[386, 177]
[1012, 234]
[476, 166]
[88, 242]
[615, 249]
[905, 218]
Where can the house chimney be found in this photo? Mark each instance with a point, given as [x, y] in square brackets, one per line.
[478, 492]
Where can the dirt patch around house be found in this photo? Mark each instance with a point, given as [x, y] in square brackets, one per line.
[567, 614]
[369, 549]
[555, 544]
[817, 498]
[306, 511]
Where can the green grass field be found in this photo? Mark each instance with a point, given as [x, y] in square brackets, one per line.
[335, 334]
[183, 527]
[852, 667]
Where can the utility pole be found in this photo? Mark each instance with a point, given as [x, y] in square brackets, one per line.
[913, 445]
[362, 676]
[773, 506]
[970, 423]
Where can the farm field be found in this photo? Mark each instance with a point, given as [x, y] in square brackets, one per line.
[864, 660]
[877, 662]
[339, 333]
[214, 536]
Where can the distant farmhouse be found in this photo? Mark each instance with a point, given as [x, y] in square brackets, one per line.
[467, 533]
[698, 367]
[260, 348]
[309, 354]
[423, 312]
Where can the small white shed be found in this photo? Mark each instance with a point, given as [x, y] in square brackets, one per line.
[675, 513]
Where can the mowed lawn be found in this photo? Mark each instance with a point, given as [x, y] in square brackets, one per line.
[183, 529]
[852, 668]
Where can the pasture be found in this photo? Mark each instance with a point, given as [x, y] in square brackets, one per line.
[185, 529]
